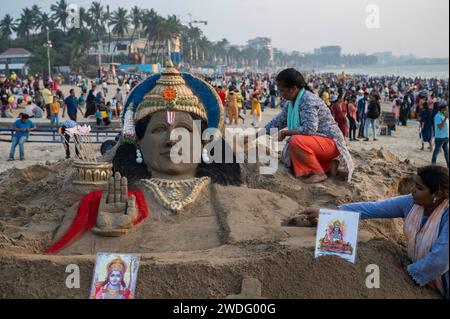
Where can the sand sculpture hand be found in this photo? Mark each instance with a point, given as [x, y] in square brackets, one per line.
[117, 211]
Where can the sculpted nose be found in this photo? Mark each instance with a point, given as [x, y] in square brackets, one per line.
[170, 143]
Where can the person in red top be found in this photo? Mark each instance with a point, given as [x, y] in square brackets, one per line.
[222, 95]
[351, 114]
[339, 112]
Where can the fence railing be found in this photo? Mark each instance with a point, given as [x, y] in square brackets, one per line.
[50, 135]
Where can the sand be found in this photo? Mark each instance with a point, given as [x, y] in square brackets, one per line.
[37, 193]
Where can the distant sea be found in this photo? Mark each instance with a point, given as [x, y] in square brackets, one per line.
[439, 71]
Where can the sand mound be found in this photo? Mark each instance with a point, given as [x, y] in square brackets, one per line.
[36, 199]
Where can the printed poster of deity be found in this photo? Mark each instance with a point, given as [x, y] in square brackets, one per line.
[337, 234]
[115, 276]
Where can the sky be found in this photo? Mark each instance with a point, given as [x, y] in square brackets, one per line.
[405, 27]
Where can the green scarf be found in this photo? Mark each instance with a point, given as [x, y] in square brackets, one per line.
[293, 117]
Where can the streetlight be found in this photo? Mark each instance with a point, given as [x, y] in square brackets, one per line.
[49, 45]
[190, 23]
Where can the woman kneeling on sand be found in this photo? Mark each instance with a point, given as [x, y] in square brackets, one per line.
[316, 145]
[426, 224]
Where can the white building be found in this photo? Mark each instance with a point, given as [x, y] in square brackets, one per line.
[16, 59]
[147, 49]
[261, 43]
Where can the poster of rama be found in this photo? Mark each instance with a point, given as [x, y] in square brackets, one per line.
[337, 234]
[115, 276]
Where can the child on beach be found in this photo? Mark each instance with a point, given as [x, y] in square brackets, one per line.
[55, 107]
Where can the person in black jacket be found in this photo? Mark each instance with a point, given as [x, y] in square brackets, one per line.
[373, 113]
[90, 102]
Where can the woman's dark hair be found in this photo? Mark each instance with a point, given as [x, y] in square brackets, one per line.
[292, 78]
[221, 173]
[435, 178]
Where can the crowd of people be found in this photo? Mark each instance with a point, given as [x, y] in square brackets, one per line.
[26, 100]
[354, 102]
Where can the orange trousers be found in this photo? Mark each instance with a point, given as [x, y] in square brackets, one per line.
[314, 154]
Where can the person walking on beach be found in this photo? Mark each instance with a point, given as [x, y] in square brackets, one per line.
[90, 102]
[55, 107]
[48, 98]
[119, 102]
[256, 110]
[426, 126]
[22, 128]
[441, 134]
[273, 95]
[373, 113]
[361, 114]
[71, 103]
[339, 112]
[352, 116]
[232, 107]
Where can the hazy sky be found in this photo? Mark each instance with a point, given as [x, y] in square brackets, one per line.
[406, 26]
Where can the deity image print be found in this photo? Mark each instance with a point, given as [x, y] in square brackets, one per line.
[120, 277]
[334, 239]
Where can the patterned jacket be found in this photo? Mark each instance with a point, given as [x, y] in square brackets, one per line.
[316, 119]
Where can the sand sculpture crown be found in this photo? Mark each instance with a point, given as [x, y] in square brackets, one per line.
[172, 91]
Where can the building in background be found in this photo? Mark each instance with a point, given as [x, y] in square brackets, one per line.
[331, 54]
[143, 50]
[262, 43]
[15, 60]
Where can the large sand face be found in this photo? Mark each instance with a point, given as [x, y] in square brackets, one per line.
[248, 238]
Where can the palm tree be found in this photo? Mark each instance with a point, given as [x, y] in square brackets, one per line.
[234, 54]
[36, 15]
[192, 36]
[80, 43]
[107, 20]
[85, 19]
[221, 49]
[25, 24]
[60, 13]
[120, 22]
[151, 22]
[160, 35]
[7, 28]
[97, 15]
[43, 23]
[206, 48]
[136, 21]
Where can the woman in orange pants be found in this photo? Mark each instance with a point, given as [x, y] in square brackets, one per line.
[313, 155]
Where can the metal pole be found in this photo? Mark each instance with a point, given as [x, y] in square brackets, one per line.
[48, 55]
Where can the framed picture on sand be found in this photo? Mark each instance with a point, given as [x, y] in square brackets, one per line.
[115, 276]
[337, 234]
